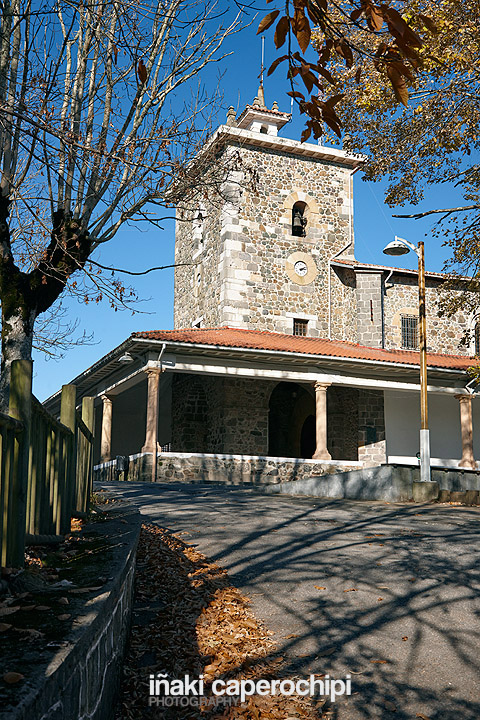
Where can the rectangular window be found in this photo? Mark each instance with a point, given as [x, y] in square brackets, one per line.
[410, 332]
[300, 326]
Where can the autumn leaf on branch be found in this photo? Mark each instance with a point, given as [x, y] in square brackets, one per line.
[141, 72]
[331, 28]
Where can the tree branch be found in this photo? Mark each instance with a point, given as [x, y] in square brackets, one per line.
[444, 211]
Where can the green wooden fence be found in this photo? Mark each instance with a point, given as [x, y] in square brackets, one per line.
[46, 465]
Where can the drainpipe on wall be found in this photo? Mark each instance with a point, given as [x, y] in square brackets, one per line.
[330, 286]
[350, 235]
[383, 305]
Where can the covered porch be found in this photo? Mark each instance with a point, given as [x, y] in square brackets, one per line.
[181, 408]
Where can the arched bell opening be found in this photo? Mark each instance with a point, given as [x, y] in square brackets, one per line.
[299, 220]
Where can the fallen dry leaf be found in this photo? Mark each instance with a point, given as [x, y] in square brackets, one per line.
[378, 662]
[328, 651]
[63, 601]
[30, 631]
[422, 717]
[42, 608]
[65, 616]
[405, 637]
[13, 677]
[4, 627]
[319, 587]
[351, 590]
[9, 610]
[379, 599]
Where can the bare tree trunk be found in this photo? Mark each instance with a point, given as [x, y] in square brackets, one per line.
[17, 338]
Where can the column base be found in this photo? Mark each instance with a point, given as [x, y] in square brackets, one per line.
[149, 449]
[467, 464]
[322, 455]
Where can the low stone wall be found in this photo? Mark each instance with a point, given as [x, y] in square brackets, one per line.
[229, 469]
[392, 483]
[82, 679]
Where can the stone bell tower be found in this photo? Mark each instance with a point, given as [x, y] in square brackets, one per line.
[260, 257]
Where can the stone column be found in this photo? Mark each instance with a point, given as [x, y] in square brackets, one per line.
[321, 452]
[151, 429]
[106, 440]
[466, 424]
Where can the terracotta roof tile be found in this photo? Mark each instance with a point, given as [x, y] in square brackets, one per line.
[263, 109]
[359, 265]
[264, 340]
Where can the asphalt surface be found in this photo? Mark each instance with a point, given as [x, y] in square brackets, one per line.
[386, 592]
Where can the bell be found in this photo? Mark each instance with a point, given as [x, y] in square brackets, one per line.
[298, 224]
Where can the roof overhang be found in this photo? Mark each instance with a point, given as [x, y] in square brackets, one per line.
[229, 134]
[109, 375]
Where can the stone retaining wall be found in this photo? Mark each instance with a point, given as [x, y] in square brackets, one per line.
[81, 680]
[392, 483]
[229, 469]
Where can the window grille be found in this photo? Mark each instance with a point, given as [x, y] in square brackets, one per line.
[300, 326]
[410, 332]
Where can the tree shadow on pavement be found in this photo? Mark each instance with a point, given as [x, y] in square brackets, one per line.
[387, 593]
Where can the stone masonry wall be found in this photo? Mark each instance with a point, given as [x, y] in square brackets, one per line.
[443, 333]
[370, 308]
[371, 427]
[342, 423]
[343, 305]
[228, 469]
[215, 415]
[242, 268]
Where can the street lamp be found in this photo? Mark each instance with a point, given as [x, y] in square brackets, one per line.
[399, 246]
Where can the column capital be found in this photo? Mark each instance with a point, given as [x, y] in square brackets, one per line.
[106, 398]
[321, 385]
[153, 371]
[463, 397]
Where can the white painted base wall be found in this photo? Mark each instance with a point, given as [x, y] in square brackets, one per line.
[402, 425]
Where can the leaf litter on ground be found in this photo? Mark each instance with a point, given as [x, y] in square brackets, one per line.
[190, 619]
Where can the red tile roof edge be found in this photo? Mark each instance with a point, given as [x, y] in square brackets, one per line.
[226, 337]
[357, 263]
[262, 108]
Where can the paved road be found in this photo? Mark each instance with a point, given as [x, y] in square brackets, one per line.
[386, 592]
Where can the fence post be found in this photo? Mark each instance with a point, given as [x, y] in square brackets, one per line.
[20, 407]
[88, 417]
[67, 418]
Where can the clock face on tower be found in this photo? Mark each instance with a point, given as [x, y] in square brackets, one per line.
[301, 268]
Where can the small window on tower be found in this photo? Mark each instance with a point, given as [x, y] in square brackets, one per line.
[477, 339]
[300, 326]
[199, 226]
[299, 221]
[410, 332]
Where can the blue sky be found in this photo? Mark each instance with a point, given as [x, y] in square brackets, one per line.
[139, 248]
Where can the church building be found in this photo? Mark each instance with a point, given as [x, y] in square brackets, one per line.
[288, 357]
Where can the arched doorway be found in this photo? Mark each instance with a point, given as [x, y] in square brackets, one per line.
[308, 439]
[289, 427]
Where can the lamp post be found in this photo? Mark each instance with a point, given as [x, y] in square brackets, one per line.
[399, 246]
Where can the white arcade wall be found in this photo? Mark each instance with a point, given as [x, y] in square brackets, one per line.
[402, 424]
